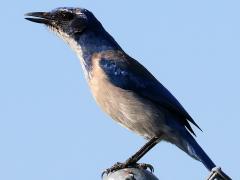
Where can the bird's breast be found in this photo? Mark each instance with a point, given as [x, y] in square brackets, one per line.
[126, 107]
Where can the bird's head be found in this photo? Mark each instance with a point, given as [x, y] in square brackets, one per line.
[70, 21]
[79, 28]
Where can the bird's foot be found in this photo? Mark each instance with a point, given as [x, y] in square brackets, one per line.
[144, 166]
[119, 166]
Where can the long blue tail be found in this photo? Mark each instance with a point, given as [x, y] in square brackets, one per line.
[189, 145]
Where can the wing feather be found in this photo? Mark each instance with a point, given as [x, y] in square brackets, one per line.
[130, 75]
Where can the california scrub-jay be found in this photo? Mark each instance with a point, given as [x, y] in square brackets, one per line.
[123, 87]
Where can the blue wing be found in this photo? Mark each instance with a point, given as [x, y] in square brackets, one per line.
[128, 74]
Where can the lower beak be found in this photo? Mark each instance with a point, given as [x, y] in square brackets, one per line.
[39, 17]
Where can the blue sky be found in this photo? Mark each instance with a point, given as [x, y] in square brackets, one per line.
[50, 126]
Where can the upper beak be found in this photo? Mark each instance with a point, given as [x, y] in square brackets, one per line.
[39, 17]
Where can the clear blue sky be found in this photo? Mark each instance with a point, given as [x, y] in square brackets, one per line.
[50, 126]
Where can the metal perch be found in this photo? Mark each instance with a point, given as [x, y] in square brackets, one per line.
[130, 174]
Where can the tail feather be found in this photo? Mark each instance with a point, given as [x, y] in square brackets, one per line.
[189, 145]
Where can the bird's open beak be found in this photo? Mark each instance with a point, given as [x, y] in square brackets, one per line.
[39, 17]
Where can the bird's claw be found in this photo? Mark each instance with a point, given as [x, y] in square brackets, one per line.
[119, 166]
[114, 168]
[145, 166]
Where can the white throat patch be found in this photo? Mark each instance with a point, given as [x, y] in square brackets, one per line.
[74, 46]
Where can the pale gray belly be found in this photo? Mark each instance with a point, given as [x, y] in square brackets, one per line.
[130, 110]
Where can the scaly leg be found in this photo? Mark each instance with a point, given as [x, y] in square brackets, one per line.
[132, 161]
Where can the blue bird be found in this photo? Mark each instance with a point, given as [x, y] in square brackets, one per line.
[123, 87]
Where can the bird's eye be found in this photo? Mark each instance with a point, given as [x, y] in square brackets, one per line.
[67, 16]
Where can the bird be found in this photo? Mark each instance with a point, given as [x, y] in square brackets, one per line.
[124, 88]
